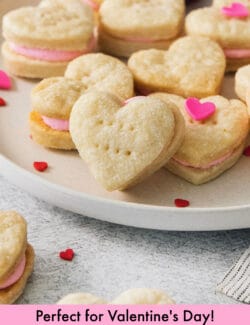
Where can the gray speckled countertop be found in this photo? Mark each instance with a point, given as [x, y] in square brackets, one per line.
[110, 259]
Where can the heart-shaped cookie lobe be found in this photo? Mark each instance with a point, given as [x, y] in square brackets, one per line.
[123, 143]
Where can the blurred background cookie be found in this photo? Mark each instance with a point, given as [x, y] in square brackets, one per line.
[16, 257]
[128, 26]
[228, 23]
[40, 41]
[242, 82]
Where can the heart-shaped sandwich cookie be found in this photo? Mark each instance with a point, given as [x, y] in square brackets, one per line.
[40, 41]
[212, 145]
[53, 98]
[137, 296]
[228, 23]
[124, 142]
[242, 82]
[16, 257]
[52, 101]
[192, 67]
[128, 26]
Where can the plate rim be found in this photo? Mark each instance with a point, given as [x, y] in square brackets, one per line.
[14, 173]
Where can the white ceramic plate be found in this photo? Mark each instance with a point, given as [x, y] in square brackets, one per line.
[221, 204]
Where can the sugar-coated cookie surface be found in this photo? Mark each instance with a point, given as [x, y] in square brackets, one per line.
[55, 97]
[242, 82]
[231, 32]
[248, 100]
[156, 19]
[222, 3]
[193, 66]
[213, 145]
[81, 299]
[16, 256]
[124, 142]
[136, 296]
[54, 24]
[209, 22]
[98, 71]
[127, 26]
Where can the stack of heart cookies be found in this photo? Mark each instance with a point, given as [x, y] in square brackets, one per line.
[124, 142]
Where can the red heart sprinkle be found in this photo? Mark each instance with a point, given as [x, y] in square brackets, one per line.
[2, 102]
[180, 203]
[40, 166]
[67, 255]
[247, 152]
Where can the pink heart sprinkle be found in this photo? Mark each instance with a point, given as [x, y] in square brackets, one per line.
[5, 82]
[199, 111]
[237, 10]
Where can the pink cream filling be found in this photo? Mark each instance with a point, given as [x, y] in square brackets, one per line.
[16, 275]
[92, 4]
[237, 53]
[212, 164]
[51, 55]
[56, 124]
